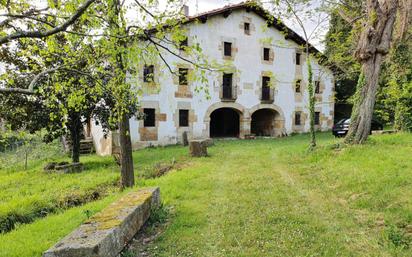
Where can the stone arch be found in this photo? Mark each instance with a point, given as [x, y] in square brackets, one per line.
[268, 106]
[236, 106]
[244, 117]
[267, 117]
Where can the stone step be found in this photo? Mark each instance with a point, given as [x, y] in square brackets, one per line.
[106, 233]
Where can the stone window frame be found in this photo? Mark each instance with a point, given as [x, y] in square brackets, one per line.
[234, 48]
[183, 91]
[159, 117]
[259, 84]
[252, 27]
[271, 54]
[235, 84]
[182, 105]
[151, 87]
[303, 119]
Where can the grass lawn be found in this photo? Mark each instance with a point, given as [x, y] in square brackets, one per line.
[252, 198]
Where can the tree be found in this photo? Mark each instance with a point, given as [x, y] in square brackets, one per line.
[45, 21]
[374, 42]
[65, 99]
[122, 43]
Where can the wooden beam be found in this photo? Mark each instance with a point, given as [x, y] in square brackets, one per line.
[227, 13]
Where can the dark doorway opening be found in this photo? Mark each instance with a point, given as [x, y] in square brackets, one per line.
[263, 122]
[224, 122]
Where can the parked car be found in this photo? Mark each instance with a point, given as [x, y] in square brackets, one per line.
[341, 128]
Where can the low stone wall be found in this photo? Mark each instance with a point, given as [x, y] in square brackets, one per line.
[106, 233]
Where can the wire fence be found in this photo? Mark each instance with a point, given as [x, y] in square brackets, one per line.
[19, 155]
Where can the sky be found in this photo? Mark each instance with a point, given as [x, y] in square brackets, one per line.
[199, 6]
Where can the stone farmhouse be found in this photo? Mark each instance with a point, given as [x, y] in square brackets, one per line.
[265, 96]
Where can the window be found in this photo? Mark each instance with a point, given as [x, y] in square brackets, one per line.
[298, 86]
[265, 88]
[148, 73]
[183, 44]
[228, 49]
[297, 118]
[149, 117]
[298, 58]
[227, 85]
[183, 76]
[247, 28]
[317, 87]
[183, 118]
[266, 54]
[317, 118]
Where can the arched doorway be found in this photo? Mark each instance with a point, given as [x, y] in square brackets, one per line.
[264, 123]
[224, 122]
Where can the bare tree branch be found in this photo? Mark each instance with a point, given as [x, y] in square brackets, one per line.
[57, 29]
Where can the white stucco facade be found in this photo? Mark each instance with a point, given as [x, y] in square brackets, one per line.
[249, 66]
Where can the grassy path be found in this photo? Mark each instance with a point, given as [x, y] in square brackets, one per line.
[259, 199]
[249, 198]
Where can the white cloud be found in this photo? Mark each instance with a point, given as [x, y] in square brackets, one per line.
[200, 6]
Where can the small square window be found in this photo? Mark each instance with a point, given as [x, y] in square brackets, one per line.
[317, 118]
[317, 87]
[148, 73]
[183, 44]
[298, 86]
[228, 49]
[298, 55]
[297, 118]
[183, 76]
[247, 28]
[183, 118]
[266, 54]
[149, 117]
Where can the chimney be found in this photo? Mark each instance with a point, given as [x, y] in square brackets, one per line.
[185, 10]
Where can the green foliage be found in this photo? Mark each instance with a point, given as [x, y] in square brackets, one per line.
[393, 101]
[397, 237]
[395, 96]
[158, 215]
[30, 194]
[355, 99]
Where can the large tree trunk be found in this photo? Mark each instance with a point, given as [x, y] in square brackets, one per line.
[126, 156]
[373, 45]
[118, 29]
[75, 128]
